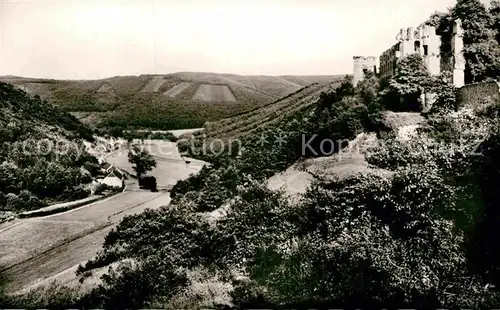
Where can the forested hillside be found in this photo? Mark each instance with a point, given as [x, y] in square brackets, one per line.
[170, 101]
[42, 159]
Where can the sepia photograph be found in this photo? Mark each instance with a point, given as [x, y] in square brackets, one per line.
[249, 154]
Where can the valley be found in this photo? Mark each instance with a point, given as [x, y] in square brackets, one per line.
[205, 190]
[171, 101]
[36, 250]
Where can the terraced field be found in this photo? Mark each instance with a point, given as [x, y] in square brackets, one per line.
[207, 92]
[275, 85]
[106, 88]
[177, 89]
[248, 122]
[308, 79]
[153, 85]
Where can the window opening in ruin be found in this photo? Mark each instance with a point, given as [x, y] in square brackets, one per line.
[426, 50]
[417, 46]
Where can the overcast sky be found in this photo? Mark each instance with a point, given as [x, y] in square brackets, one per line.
[89, 39]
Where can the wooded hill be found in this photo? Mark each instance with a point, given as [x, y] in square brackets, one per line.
[171, 101]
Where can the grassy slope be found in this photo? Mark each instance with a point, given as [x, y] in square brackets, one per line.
[124, 100]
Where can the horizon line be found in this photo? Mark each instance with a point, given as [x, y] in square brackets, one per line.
[164, 74]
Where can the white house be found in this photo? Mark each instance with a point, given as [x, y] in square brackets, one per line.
[114, 178]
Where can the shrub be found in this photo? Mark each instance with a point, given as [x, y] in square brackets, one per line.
[163, 136]
[13, 202]
[25, 201]
[184, 146]
[93, 168]
[446, 94]
[100, 188]
[75, 193]
[133, 286]
[52, 296]
[3, 199]
[10, 178]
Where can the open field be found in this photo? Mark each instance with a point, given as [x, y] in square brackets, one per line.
[90, 118]
[179, 132]
[106, 88]
[70, 247]
[351, 160]
[153, 85]
[163, 102]
[208, 92]
[171, 166]
[29, 237]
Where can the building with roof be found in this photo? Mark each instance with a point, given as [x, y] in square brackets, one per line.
[114, 178]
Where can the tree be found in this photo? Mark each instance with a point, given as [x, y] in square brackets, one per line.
[495, 14]
[481, 50]
[368, 88]
[142, 160]
[445, 93]
[476, 20]
[483, 60]
[411, 80]
[345, 89]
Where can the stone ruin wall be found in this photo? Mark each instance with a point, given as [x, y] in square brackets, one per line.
[424, 41]
[440, 54]
[473, 95]
[360, 64]
[388, 62]
[421, 40]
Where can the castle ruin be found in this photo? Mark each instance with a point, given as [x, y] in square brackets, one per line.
[424, 41]
[360, 64]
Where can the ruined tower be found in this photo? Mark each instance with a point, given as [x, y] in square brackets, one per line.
[457, 46]
[406, 44]
[360, 64]
[430, 50]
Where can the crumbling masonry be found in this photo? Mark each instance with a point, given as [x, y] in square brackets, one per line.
[360, 64]
[424, 41]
